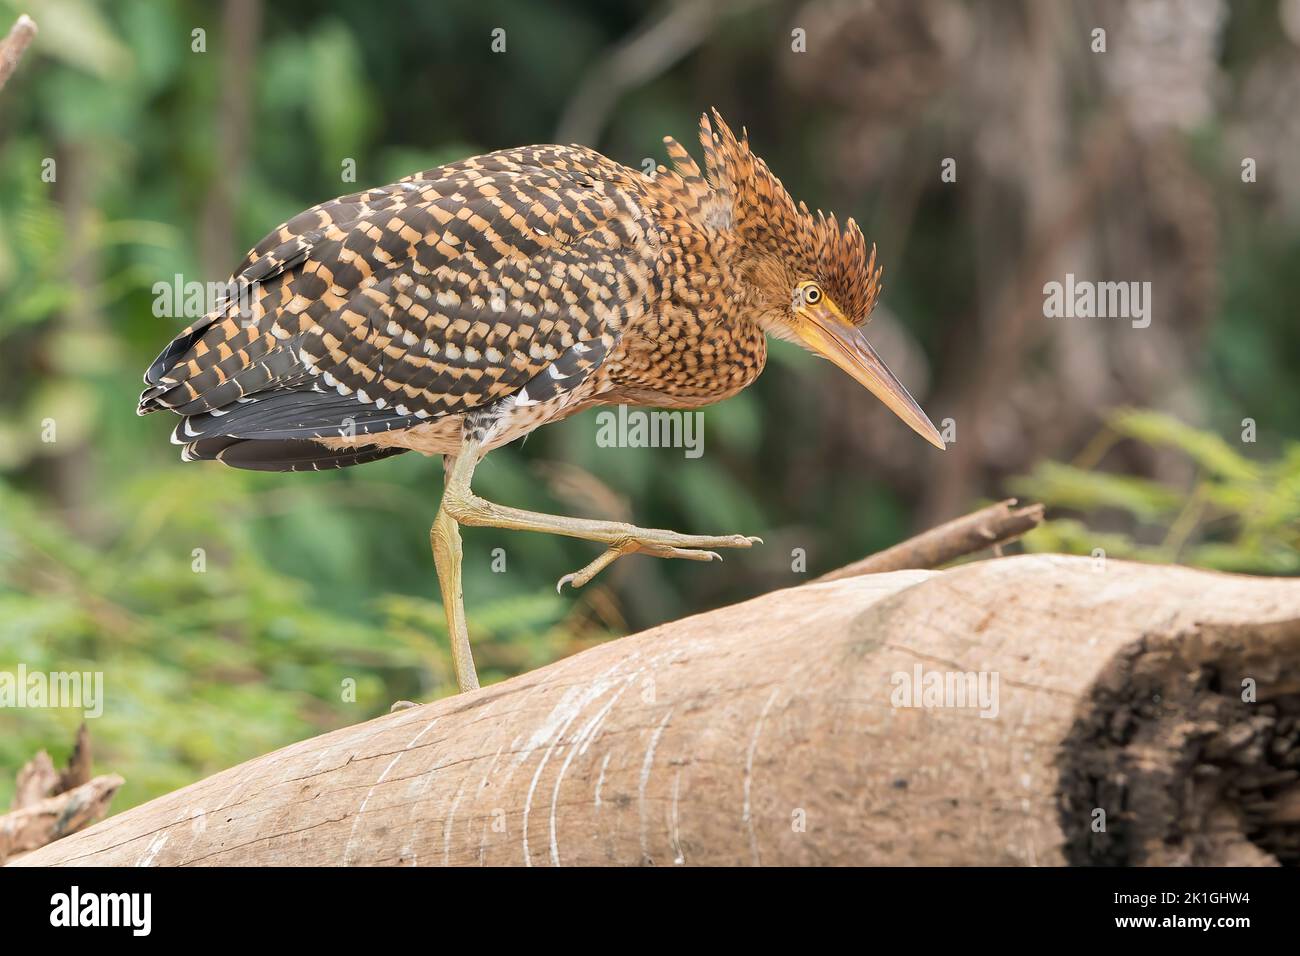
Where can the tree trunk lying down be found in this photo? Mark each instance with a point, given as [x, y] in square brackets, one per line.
[776, 732]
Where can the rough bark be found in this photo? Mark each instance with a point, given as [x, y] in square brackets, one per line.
[770, 732]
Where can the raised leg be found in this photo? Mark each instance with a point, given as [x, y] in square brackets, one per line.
[467, 508]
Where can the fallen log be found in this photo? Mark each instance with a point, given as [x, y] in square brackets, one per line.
[1032, 710]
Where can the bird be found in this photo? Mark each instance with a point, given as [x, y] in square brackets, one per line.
[464, 306]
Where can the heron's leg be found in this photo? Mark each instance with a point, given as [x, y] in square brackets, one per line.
[468, 508]
[445, 538]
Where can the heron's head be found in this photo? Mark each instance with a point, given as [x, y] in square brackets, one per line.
[808, 280]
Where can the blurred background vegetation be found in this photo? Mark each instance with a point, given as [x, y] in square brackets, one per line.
[230, 612]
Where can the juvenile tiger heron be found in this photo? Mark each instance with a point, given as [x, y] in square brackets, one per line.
[466, 305]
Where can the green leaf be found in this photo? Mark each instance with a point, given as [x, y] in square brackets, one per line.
[1065, 486]
[1205, 448]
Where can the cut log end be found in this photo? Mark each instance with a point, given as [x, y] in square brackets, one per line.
[1187, 752]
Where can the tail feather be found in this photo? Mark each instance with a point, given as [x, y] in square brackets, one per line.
[282, 455]
[298, 413]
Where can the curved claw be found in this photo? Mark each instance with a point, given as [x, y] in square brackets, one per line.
[688, 554]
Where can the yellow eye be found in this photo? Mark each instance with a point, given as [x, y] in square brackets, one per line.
[806, 293]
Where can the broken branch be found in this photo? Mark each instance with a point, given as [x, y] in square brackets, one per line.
[55, 817]
[989, 527]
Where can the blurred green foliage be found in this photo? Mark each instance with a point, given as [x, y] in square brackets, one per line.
[1230, 513]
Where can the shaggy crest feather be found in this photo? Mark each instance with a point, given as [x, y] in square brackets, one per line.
[766, 218]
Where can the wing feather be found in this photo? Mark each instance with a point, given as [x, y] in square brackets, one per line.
[436, 295]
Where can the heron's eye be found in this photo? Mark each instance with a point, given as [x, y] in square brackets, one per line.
[812, 295]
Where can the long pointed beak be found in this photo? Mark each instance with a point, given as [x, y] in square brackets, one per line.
[834, 338]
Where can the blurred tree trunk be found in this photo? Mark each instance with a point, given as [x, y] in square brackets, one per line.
[72, 468]
[1066, 161]
[241, 26]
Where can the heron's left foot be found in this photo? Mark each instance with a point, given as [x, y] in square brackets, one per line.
[659, 544]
